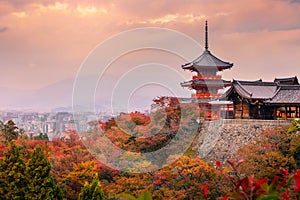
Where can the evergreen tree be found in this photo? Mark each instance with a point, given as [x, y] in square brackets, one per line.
[41, 136]
[1, 126]
[10, 131]
[40, 183]
[13, 182]
[92, 191]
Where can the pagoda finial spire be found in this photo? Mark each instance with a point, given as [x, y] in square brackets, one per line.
[206, 35]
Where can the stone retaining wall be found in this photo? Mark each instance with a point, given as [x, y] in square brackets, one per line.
[220, 140]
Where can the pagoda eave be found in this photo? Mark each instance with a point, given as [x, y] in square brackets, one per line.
[219, 68]
[186, 84]
[196, 68]
[193, 84]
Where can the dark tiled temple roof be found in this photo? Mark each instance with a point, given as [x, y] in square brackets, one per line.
[287, 81]
[269, 92]
[256, 83]
[286, 95]
[253, 89]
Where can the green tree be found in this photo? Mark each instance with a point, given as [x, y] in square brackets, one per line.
[10, 131]
[40, 183]
[1, 126]
[295, 126]
[144, 196]
[13, 182]
[41, 136]
[92, 191]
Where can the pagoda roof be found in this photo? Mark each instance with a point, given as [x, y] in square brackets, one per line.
[195, 100]
[208, 83]
[207, 60]
[220, 102]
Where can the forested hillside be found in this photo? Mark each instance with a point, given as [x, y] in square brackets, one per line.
[67, 168]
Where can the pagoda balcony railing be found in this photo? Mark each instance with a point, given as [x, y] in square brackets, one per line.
[205, 95]
[207, 77]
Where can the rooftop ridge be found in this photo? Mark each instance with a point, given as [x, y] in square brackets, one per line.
[286, 78]
[288, 87]
[257, 82]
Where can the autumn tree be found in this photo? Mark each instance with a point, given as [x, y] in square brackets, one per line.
[276, 149]
[129, 183]
[13, 181]
[185, 178]
[10, 131]
[72, 165]
[73, 181]
[92, 191]
[40, 183]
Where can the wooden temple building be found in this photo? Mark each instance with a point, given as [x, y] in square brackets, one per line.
[243, 99]
[265, 100]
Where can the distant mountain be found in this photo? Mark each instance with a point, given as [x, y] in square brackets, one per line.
[58, 97]
[80, 108]
[57, 94]
[10, 97]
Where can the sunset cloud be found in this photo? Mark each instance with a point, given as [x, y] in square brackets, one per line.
[187, 18]
[3, 29]
[20, 14]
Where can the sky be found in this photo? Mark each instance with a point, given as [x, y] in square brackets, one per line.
[43, 43]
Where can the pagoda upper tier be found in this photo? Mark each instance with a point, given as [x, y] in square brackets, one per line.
[207, 61]
[208, 81]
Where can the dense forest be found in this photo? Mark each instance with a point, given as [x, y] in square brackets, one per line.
[64, 168]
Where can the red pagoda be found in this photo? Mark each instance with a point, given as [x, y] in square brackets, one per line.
[207, 81]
